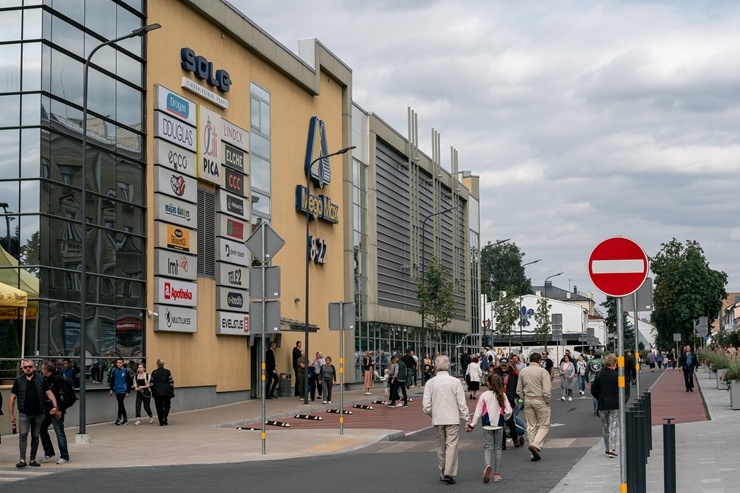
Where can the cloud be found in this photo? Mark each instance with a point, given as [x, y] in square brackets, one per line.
[584, 120]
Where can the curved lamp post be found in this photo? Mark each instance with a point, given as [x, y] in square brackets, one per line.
[308, 262]
[83, 212]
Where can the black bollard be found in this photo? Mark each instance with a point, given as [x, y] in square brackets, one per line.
[640, 469]
[669, 456]
[630, 449]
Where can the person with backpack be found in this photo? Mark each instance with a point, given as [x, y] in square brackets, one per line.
[493, 409]
[509, 380]
[119, 383]
[593, 368]
[143, 393]
[60, 386]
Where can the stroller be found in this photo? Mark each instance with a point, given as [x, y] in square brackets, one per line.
[520, 426]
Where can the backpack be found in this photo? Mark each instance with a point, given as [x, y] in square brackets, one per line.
[67, 396]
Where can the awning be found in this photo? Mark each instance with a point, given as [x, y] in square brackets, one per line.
[12, 297]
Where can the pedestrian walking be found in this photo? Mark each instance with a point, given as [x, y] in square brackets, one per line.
[651, 361]
[29, 391]
[509, 379]
[688, 362]
[297, 354]
[119, 383]
[567, 378]
[163, 390]
[473, 377]
[428, 367]
[329, 378]
[143, 390]
[315, 381]
[605, 390]
[398, 382]
[271, 376]
[581, 369]
[659, 358]
[444, 401]
[536, 388]
[300, 376]
[595, 365]
[56, 382]
[494, 408]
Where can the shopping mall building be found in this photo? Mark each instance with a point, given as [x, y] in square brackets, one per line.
[198, 133]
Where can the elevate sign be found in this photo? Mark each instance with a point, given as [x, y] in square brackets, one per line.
[618, 266]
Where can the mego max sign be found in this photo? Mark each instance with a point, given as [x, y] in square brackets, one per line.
[203, 69]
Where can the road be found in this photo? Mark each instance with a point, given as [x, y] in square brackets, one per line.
[407, 465]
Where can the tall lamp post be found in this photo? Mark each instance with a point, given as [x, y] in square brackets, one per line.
[308, 260]
[521, 315]
[545, 289]
[82, 438]
[423, 254]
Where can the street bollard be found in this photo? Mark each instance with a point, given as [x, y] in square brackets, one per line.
[640, 469]
[630, 449]
[649, 420]
[669, 456]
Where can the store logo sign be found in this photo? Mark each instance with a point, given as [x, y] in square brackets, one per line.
[203, 69]
[317, 164]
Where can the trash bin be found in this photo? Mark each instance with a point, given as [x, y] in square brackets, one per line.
[285, 389]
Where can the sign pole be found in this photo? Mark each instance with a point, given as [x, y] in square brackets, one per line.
[263, 349]
[622, 420]
[637, 346]
[341, 372]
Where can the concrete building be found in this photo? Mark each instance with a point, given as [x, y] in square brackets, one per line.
[197, 134]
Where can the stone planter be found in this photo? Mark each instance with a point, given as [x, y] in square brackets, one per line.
[721, 385]
[735, 394]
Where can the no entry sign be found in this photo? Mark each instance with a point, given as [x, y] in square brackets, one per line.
[618, 266]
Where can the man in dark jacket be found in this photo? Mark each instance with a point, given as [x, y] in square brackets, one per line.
[688, 363]
[119, 383]
[605, 389]
[410, 362]
[56, 382]
[509, 379]
[163, 390]
[271, 378]
[297, 350]
[29, 391]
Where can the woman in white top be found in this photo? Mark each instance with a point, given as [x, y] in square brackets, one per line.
[581, 367]
[473, 377]
[567, 378]
[494, 403]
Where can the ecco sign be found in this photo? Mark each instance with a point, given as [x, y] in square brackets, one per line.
[203, 69]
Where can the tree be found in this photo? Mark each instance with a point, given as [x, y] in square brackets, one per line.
[30, 253]
[501, 270]
[686, 288]
[542, 319]
[610, 320]
[436, 304]
[506, 312]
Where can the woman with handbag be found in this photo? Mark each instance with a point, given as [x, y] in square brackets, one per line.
[493, 407]
[368, 369]
[143, 394]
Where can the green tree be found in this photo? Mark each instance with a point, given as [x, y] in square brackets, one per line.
[542, 321]
[436, 304]
[686, 288]
[30, 254]
[506, 312]
[501, 270]
[611, 324]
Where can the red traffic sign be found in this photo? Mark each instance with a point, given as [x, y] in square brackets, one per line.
[618, 266]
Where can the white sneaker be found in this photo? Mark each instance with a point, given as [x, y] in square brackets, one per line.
[328, 402]
[151, 419]
[138, 422]
[562, 398]
[570, 398]
[323, 402]
[62, 461]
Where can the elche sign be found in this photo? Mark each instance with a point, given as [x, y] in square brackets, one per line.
[618, 266]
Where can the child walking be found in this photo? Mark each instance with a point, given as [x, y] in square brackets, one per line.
[496, 406]
[384, 379]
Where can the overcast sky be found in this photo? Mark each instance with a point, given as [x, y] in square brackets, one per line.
[584, 120]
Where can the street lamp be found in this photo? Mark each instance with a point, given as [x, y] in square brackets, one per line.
[83, 212]
[5, 206]
[308, 260]
[521, 315]
[423, 255]
[550, 277]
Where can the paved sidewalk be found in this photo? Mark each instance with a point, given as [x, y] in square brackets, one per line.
[210, 436]
[707, 452]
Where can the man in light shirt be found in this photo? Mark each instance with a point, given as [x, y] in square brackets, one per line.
[444, 401]
[535, 387]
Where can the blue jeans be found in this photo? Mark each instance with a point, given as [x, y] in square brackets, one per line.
[33, 424]
[582, 383]
[61, 436]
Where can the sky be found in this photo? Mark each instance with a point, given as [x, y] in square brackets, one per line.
[584, 119]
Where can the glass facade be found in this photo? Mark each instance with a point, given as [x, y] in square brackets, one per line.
[259, 154]
[43, 46]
